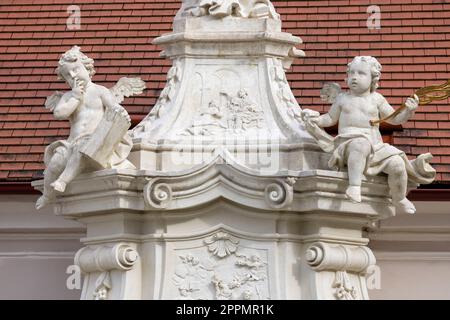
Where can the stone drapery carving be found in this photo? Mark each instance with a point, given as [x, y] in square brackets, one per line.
[229, 272]
[98, 134]
[359, 145]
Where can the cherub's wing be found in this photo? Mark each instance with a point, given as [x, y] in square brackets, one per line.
[127, 87]
[53, 100]
[330, 91]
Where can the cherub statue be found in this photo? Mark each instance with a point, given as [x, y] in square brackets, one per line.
[98, 136]
[359, 144]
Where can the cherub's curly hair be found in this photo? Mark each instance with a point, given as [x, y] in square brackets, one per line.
[375, 69]
[74, 55]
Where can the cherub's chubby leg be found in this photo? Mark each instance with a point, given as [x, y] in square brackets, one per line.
[74, 167]
[398, 183]
[54, 169]
[357, 152]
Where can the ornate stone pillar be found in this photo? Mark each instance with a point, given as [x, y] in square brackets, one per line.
[223, 234]
[231, 198]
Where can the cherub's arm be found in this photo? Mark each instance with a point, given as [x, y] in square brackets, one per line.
[70, 101]
[66, 106]
[109, 101]
[332, 117]
[407, 113]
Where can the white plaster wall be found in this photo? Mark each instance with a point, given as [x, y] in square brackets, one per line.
[413, 275]
[413, 253]
[36, 248]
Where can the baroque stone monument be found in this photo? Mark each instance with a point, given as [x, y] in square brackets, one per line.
[226, 192]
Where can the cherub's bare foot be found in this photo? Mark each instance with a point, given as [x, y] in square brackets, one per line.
[58, 186]
[406, 206]
[42, 202]
[354, 193]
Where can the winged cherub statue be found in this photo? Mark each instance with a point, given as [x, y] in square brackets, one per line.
[359, 145]
[99, 125]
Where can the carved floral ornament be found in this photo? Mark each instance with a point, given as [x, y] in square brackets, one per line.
[222, 270]
[166, 97]
[170, 192]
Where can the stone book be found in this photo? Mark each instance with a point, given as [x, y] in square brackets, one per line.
[106, 137]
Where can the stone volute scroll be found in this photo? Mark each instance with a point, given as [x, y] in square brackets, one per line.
[101, 261]
[98, 136]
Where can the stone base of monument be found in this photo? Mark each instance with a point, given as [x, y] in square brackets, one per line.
[223, 232]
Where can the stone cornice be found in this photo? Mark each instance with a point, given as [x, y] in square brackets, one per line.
[287, 191]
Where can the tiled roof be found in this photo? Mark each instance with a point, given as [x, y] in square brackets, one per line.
[413, 45]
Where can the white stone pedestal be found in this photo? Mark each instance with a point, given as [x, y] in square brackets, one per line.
[223, 233]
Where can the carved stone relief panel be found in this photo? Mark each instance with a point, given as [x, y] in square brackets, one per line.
[226, 100]
[222, 269]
